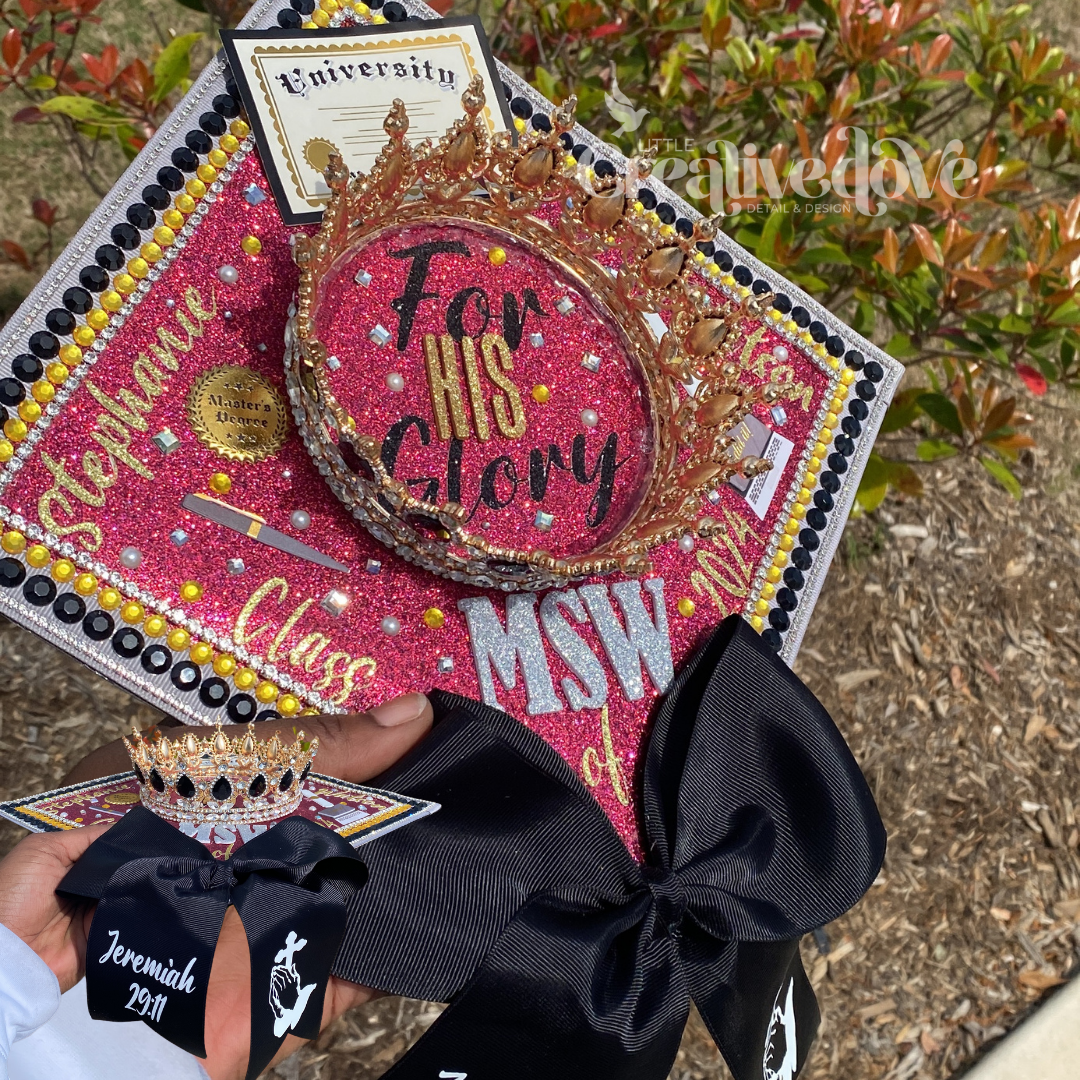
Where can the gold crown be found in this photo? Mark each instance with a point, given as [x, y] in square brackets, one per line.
[470, 175]
[218, 780]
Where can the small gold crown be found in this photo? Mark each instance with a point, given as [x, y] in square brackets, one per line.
[218, 780]
[471, 175]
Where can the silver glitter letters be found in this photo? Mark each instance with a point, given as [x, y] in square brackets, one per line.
[576, 654]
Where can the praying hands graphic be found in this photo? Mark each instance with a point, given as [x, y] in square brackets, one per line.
[285, 986]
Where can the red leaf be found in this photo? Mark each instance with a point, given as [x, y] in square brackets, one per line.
[44, 212]
[15, 253]
[11, 49]
[605, 30]
[30, 115]
[441, 6]
[36, 54]
[1033, 379]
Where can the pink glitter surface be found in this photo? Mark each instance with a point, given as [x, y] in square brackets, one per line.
[97, 478]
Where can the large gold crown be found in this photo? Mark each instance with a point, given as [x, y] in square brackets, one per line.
[218, 780]
[469, 174]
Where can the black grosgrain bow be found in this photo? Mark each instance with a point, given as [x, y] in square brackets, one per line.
[561, 956]
[162, 898]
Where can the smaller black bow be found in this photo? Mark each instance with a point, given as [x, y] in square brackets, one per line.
[162, 898]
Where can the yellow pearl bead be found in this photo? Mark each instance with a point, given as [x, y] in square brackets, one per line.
[780, 559]
[240, 129]
[244, 678]
[164, 236]
[757, 622]
[229, 143]
[85, 584]
[30, 410]
[686, 607]
[38, 556]
[667, 230]
[309, 711]
[804, 495]
[13, 542]
[329, 6]
[847, 376]
[798, 512]
[173, 220]
[833, 362]
[761, 607]
[7, 451]
[768, 591]
[63, 570]
[221, 483]
[112, 300]
[71, 355]
[151, 252]
[195, 188]
[541, 394]
[84, 336]
[787, 542]
[434, 619]
[138, 268]
[361, 8]
[109, 599]
[377, 18]
[819, 349]
[791, 326]
[154, 626]
[125, 284]
[218, 158]
[288, 705]
[773, 574]
[820, 448]
[184, 202]
[206, 173]
[519, 125]
[98, 319]
[132, 612]
[496, 256]
[836, 405]
[178, 639]
[15, 429]
[251, 244]
[191, 591]
[266, 692]
[224, 665]
[792, 526]
[57, 373]
[201, 653]
[810, 479]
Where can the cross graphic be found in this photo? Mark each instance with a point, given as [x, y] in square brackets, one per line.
[285, 956]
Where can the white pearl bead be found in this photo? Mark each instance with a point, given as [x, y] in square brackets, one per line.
[395, 382]
[131, 557]
[780, 352]
[300, 519]
[589, 417]
[228, 274]
[390, 625]
[686, 543]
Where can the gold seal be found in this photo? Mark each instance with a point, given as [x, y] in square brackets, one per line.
[238, 413]
[121, 798]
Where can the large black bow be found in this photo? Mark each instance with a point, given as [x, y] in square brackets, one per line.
[562, 956]
[163, 897]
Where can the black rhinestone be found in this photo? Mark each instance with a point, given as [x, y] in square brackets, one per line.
[199, 141]
[139, 774]
[69, 608]
[227, 106]
[230, 83]
[772, 638]
[778, 619]
[800, 316]
[743, 275]
[109, 256]
[156, 659]
[214, 693]
[725, 262]
[289, 19]
[684, 227]
[286, 781]
[801, 560]
[830, 482]
[27, 368]
[128, 642]
[760, 287]
[184, 159]
[78, 300]
[222, 789]
[304, 774]
[156, 781]
[855, 359]
[786, 599]
[60, 321]
[270, 714]
[872, 370]
[823, 500]
[3, 416]
[666, 213]
[185, 675]
[184, 787]
[521, 107]
[809, 540]
[818, 331]
[213, 124]
[866, 390]
[844, 444]
[647, 198]
[707, 248]
[44, 344]
[850, 426]
[241, 708]
[141, 216]
[39, 590]
[541, 121]
[582, 154]
[838, 463]
[858, 409]
[98, 625]
[507, 92]
[395, 12]
[125, 235]
[793, 578]
[12, 392]
[835, 345]
[816, 519]
[782, 303]
[93, 278]
[257, 786]
[170, 178]
[305, 7]
[154, 195]
[12, 573]
[604, 169]
[564, 139]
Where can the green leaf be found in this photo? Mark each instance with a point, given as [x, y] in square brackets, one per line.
[903, 410]
[83, 109]
[935, 450]
[1067, 314]
[1003, 476]
[1013, 324]
[874, 483]
[901, 347]
[544, 81]
[41, 81]
[173, 65]
[977, 84]
[942, 411]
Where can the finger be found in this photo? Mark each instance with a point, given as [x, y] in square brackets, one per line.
[61, 849]
[352, 747]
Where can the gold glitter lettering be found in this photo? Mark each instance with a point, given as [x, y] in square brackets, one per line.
[509, 414]
[476, 392]
[48, 519]
[286, 629]
[307, 651]
[135, 407]
[65, 480]
[347, 675]
[241, 635]
[594, 765]
[115, 438]
[443, 382]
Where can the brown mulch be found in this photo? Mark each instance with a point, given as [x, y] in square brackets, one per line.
[945, 645]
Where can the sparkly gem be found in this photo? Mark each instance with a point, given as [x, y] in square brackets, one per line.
[222, 789]
[300, 519]
[390, 625]
[362, 278]
[235, 566]
[686, 607]
[334, 602]
[589, 417]
[257, 786]
[166, 441]
[333, 363]
[779, 417]
[261, 346]
[179, 537]
[434, 619]
[254, 194]
[536, 340]
[591, 362]
[565, 306]
[221, 483]
[379, 334]
[713, 497]
[373, 566]
[496, 256]
[543, 521]
[251, 244]
[444, 665]
[191, 592]
[541, 394]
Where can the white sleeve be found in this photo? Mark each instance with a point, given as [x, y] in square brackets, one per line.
[29, 993]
